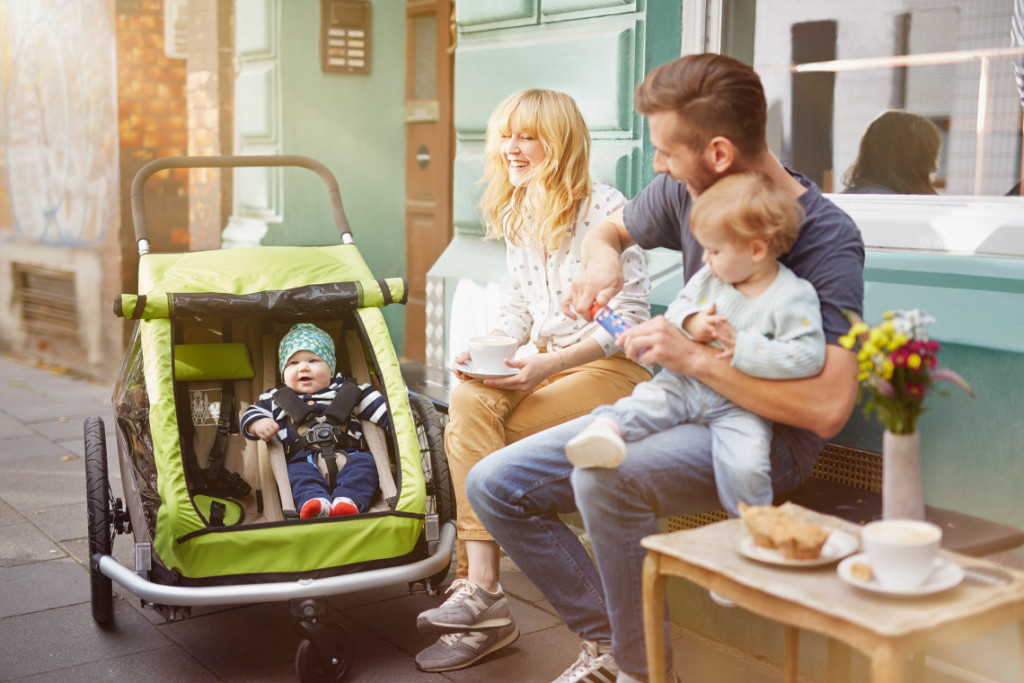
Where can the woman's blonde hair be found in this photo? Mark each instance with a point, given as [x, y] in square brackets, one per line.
[544, 208]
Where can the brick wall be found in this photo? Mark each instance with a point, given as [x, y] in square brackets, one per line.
[153, 122]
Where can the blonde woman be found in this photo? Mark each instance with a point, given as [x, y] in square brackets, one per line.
[541, 200]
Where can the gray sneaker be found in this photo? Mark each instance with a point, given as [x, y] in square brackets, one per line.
[470, 608]
[592, 666]
[458, 650]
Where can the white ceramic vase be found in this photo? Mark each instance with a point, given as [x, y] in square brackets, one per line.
[902, 493]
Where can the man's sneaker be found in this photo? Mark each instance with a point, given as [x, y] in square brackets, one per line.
[317, 507]
[457, 650]
[470, 608]
[598, 445]
[343, 506]
[592, 666]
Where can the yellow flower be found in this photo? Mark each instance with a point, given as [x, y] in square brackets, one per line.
[862, 376]
[858, 329]
[887, 315]
[847, 342]
[887, 368]
[913, 361]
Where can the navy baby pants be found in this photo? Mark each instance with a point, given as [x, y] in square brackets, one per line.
[356, 480]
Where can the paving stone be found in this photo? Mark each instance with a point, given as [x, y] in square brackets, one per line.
[40, 481]
[63, 429]
[165, 665]
[41, 586]
[11, 428]
[61, 522]
[44, 409]
[24, 544]
[54, 640]
[219, 642]
[30, 445]
[9, 515]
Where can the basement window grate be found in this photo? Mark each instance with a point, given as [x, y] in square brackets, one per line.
[47, 300]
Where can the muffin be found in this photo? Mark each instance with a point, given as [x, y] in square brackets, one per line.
[800, 540]
[783, 529]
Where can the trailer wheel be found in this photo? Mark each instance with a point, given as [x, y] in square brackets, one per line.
[313, 666]
[435, 467]
[99, 506]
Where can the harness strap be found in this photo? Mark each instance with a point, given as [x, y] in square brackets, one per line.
[344, 403]
[293, 406]
[217, 510]
[337, 415]
[331, 460]
[385, 292]
[227, 423]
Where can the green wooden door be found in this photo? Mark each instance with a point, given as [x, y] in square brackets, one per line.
[595, 50]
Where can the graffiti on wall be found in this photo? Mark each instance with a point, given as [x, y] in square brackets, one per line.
[58, 127]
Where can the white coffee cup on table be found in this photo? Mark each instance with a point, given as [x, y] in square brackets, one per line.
[902, 552]
[488, 354]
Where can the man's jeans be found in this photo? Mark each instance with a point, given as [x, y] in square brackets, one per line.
[519, 491]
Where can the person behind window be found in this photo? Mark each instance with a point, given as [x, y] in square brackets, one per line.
[899, 153]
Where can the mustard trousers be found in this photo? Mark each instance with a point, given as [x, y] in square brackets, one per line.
[483, 419]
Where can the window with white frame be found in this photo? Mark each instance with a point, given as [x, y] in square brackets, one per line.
[909, 111]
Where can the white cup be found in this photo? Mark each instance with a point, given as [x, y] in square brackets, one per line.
[901, 551]
[490, 353]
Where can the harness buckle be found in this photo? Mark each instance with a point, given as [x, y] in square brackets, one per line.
[322, 433]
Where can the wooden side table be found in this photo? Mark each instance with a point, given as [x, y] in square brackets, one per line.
[885, 628]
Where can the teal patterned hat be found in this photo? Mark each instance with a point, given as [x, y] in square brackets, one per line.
[306, 337]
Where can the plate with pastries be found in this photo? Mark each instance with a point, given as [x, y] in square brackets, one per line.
[781, 535]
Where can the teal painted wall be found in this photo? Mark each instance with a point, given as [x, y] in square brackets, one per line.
[595, 50]
[352, 124]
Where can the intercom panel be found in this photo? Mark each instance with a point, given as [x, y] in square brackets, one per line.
[345, 39]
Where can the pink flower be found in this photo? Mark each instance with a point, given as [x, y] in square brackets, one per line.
[884, 388]
[950, 376]
[915, 389]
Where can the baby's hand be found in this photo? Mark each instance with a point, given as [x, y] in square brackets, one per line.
[264, 428]
[702, 325]
[725, 334]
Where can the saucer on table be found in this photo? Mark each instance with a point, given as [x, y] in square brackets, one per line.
[945, 574]
[838, 545]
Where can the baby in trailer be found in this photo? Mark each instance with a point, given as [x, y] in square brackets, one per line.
[311, 388]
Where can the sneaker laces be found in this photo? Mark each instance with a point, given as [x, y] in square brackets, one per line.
[460, 587]
[588, 653]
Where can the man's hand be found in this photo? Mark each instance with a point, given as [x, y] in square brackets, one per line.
[660, 342]
[602, 277]
[264, 428]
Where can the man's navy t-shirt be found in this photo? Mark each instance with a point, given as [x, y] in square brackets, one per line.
[829, 254]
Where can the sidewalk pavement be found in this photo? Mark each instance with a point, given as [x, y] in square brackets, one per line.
[46, 627]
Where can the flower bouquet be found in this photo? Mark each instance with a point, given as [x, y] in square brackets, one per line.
[897, 366]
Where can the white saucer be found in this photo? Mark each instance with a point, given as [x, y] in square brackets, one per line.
[838, 545]
[467, 369]
[945, 575]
